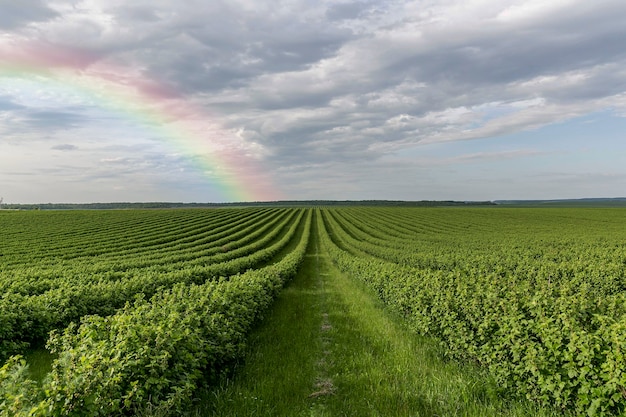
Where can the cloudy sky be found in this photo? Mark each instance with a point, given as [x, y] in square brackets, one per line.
[236, 100]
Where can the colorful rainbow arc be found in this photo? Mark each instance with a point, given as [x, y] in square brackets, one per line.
[182, 123]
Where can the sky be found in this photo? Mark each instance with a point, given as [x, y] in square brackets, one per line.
[251, 100]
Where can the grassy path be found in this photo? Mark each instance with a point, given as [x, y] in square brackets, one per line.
[327, 348]
[282, 362]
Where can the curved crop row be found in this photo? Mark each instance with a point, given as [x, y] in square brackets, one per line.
[153, 240]
[27, 319]
[151, 355]
[37, 280]
[131, 238]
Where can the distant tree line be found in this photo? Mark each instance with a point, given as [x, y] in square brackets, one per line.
[289, 203]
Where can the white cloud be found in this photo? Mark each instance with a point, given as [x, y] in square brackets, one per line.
[531, 10]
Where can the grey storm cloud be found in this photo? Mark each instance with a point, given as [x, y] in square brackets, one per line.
[36, 125]
[18, 13]
[64, 147]
[286, 55]
[8, 104]
[221, 46]
[52, 119]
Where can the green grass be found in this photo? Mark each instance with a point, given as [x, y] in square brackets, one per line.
[327, 348]
[39, 363]
[381, 369]
[281, 360]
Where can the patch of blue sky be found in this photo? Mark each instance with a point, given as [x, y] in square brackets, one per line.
[601, 133]
[581, 157]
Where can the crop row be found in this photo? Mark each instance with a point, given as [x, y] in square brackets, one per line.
[119, 236]
[572, 257]
[152, 355]
[154, 242]
[38, 277]
[26, 317]
[552, 328]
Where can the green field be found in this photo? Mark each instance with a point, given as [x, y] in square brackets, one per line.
[403, 311]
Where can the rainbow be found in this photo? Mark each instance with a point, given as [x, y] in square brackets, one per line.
[230, 160]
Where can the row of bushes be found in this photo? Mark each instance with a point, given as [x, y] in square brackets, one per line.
[27, 320]
[152, 354]
[560, 345]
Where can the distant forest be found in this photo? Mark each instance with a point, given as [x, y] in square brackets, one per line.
[166, 205]
[582, 202]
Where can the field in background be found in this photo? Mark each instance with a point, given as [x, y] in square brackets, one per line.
[146, 306]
